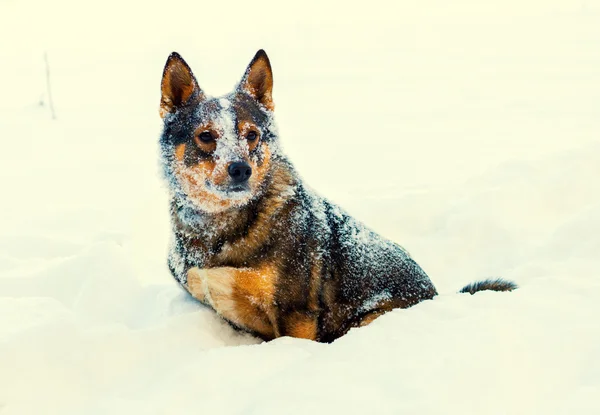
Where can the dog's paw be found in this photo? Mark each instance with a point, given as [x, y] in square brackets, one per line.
[212, 286]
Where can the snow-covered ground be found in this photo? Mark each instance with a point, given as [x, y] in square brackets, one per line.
[467, 131]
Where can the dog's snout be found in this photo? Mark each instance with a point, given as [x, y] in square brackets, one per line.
[240, 171]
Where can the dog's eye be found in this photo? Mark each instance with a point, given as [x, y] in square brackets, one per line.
[251, 136]
[206, 137]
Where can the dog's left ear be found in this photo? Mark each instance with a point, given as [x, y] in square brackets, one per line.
[258, 80]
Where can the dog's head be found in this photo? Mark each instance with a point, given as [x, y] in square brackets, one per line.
[217, 152]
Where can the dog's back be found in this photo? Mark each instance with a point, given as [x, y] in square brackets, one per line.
[341, 269]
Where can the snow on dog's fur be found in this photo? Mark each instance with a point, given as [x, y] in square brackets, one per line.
[250, 239]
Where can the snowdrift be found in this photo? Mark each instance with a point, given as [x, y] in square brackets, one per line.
[475, 147]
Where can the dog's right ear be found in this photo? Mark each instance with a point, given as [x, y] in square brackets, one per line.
[179, 86]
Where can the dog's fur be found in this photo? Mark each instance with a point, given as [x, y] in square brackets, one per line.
[268, 255]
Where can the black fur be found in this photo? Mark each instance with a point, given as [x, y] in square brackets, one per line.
[489, 285]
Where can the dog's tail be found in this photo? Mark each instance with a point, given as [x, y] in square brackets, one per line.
[491, 285]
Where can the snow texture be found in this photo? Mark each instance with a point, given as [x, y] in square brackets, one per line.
[466, 131]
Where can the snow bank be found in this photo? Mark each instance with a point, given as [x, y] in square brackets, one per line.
[467, 133]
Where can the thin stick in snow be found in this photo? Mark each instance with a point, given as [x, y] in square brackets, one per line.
[50, 104]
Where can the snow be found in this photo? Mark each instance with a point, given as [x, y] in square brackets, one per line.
[225, 103]
[468, 132]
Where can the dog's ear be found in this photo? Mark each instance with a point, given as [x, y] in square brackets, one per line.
[179, 86]
[258, 80]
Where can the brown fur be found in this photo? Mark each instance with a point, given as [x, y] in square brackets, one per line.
[368, 319]
[206, 147]
[258, 81]
[177, 86]
[191, 178]
[244, 127]
[193, 175]
[244, 296]
[301, 326]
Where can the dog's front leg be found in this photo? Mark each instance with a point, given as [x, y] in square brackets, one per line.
[243, 296]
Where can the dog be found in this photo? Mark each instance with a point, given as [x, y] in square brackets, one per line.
[251, 240]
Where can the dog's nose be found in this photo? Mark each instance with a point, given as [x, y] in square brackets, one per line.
[240, 171]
